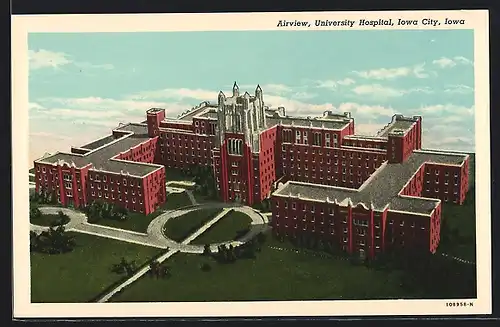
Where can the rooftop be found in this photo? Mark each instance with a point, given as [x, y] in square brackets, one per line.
[307, 122]
[399, 124]
[189, 114]
[382, 188]
[100, 157]
[98, 143]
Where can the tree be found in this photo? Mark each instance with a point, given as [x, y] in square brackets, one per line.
[231, 257]
[154, 268]
[206, 250]
[205, 267]
[261, 238]
[34, 244]
[35, 213]
[53, 241]
[62, 219]
[320, 245]
[53, 198]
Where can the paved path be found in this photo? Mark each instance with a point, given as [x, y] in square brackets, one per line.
[135, 277]
[154, 236]
[174, 189]
[191, 197]
[458, 259]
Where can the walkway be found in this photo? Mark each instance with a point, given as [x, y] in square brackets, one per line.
[135, 277]
[458, 259]
[154, 236]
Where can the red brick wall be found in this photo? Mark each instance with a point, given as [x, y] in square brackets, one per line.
[407, 230]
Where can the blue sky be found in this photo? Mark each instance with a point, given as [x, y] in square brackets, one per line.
[81, 85]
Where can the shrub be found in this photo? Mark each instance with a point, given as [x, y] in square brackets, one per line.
[206, 250]
[205, 267]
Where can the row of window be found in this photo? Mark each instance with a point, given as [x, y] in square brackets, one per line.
[113, 197]
[186, 145]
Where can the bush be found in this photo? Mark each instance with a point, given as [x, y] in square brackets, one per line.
[206, 250]
[205, 267]
[261, 238]
[35, 213]
[62, 219]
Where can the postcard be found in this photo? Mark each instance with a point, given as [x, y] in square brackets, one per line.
[261, 164]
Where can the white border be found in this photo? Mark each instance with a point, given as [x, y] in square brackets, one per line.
[22, 25]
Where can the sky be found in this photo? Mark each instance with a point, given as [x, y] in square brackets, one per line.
[82, 85]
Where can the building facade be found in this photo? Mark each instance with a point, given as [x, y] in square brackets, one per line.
[365, 194]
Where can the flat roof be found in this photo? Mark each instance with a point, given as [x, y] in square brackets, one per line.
[403, 125]
[98, 143]
[307, 122]
[188, 116]
[100, 158]
[137, 128]
[381, 188]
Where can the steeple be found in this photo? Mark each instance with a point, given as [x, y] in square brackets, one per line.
[258, 89]
[221, 97]
[236, 89]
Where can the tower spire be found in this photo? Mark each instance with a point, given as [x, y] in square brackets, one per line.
[236, 89]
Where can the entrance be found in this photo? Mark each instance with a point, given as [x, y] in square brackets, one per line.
[362, 254]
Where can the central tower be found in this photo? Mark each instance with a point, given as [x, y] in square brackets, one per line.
[241, 118]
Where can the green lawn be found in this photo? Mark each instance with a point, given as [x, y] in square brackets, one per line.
[181, 227]
[80, 275]
[290, 275]
[230, 227]
[45, 220]
[176, 200]
[138, 222]
[175, 174]
[458, 232]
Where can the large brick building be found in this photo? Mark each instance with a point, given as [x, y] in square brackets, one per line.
[364, 193]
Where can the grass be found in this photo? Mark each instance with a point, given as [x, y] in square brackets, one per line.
[175, 174]
[181, 227]
[458, 232]
[45, 220]
[281, 273]
[273, 275]
[80, 275]
[138, 222]
[230, 227]
[176, 200]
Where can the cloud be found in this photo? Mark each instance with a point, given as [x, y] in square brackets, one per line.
[176, 94]
[80, 120]
[303, 95]
[381, 92]
[42, 58]
[346, 81]
[334, 84]
[393, 73]
[459, 88]
[448, 111]
[365, 111]
[445, 62]
[419, 71]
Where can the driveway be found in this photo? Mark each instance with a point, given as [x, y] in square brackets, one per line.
[155, 236]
